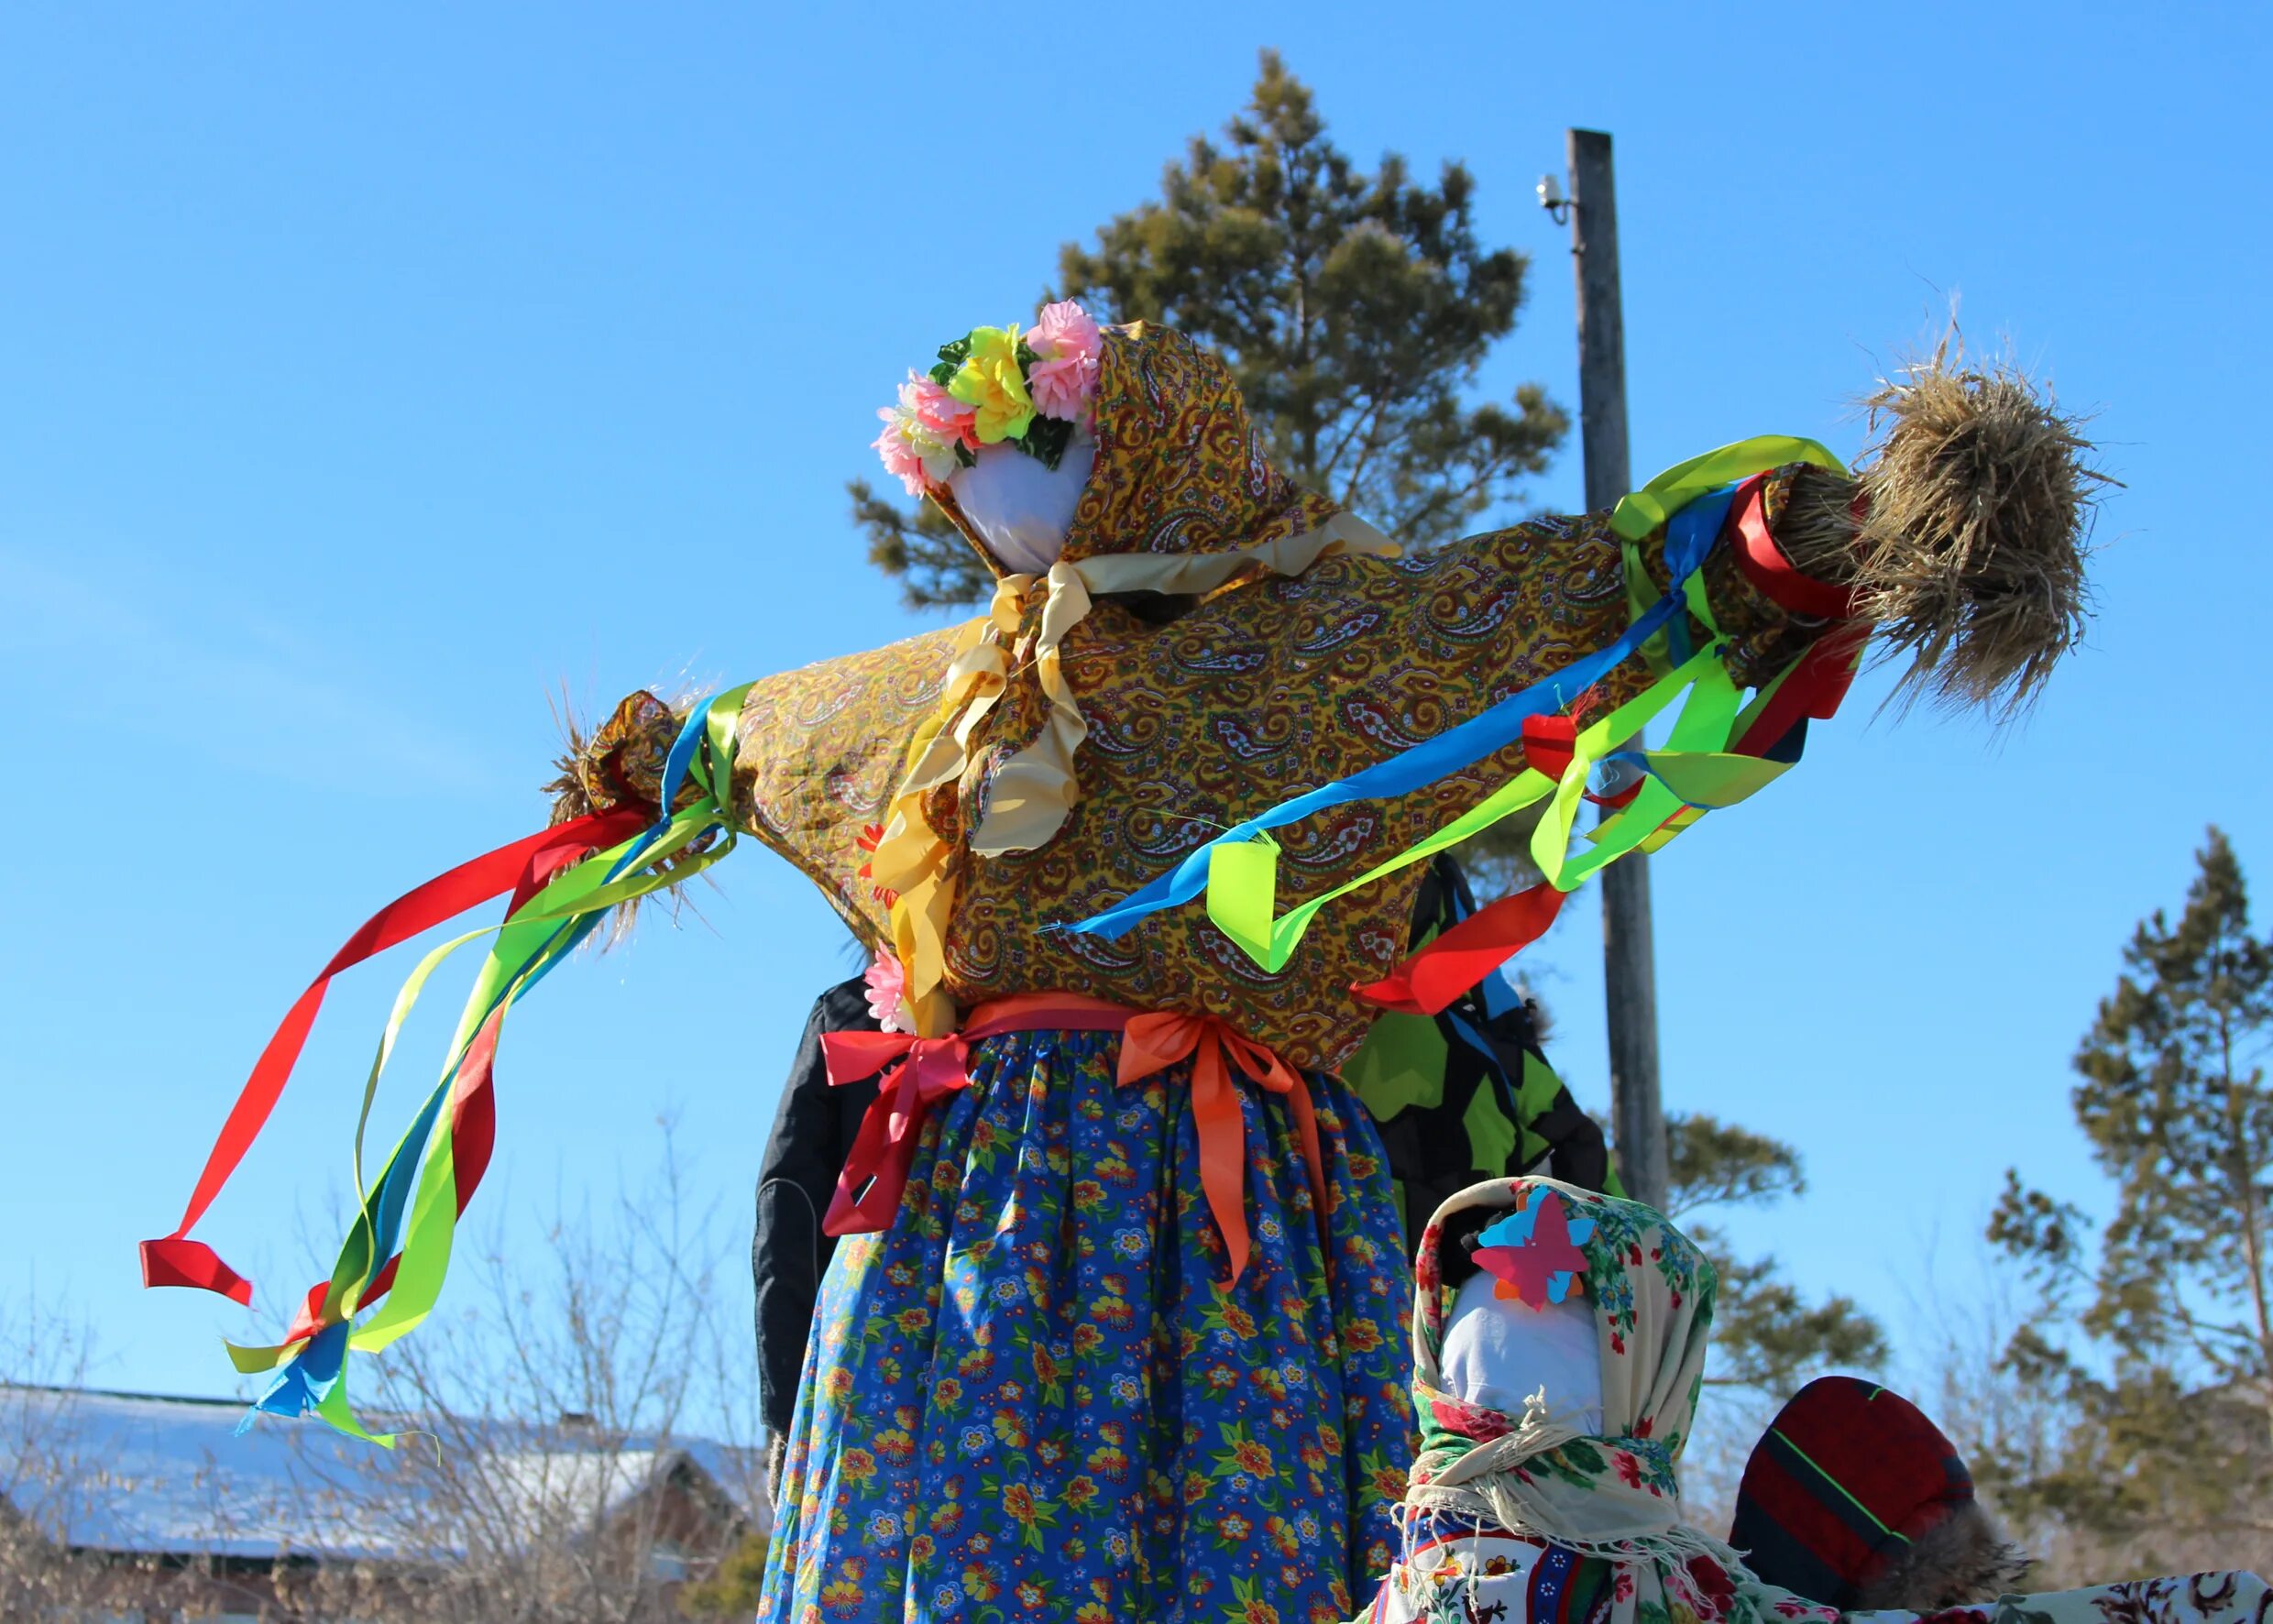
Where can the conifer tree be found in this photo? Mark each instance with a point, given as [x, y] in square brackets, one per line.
[1766, 1335]
[2163, 1343]
[1355, 309]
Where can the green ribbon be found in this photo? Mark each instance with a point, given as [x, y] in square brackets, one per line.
[1242, 876]
[528, 943]
[1695, 772]
[1643, 511]
[1641, 514]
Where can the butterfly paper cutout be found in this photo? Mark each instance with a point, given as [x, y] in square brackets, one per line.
[1533, 1253]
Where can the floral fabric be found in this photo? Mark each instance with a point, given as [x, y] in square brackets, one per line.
[2193, 1598]
[1035, 1396]
[1493, 1579]
[1609, 1507]
[1499, 1578]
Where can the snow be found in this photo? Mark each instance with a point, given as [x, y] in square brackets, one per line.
[143, 1474]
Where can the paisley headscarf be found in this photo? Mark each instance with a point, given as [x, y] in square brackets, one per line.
[1181, 499]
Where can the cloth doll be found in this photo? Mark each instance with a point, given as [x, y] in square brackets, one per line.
[1540, 1494]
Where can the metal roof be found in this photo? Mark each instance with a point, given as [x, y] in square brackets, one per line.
[143, 1474]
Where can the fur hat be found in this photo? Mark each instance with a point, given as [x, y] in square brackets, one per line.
[1855, 1499]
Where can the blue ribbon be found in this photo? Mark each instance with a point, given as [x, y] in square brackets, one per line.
[1454, 750]
[299, 1385]
[302, 1385]
[1511, 1099]
[1689, 537]
[682, 757]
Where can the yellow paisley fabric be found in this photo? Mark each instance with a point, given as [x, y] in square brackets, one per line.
[819, 750]
[1260, 692]
[1306, 660]
[1181, 500]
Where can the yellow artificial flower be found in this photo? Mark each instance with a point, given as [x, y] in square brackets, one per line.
[991, 383]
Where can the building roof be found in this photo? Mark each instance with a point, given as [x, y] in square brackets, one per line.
[143, 1474]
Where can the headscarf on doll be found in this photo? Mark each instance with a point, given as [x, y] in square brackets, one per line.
[1170, 492]
[1609, 1491]
[1600, 1484]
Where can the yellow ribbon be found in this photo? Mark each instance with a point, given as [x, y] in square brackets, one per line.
[1034, 792]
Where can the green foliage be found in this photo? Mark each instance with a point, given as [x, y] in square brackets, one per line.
[732, 1588]
[936, 566]
[1354, 308]
[2144, 1457]
[1711, 1163]
[2163, 1351]
[1766, 1335]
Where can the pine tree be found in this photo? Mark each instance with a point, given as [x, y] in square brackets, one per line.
[1354, 308]
[2165, 1348]
[1766, 1335]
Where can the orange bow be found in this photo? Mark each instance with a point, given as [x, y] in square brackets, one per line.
[918, 1071]
[1152, 1043]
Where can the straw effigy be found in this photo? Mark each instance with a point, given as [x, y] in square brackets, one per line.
[1963, 537]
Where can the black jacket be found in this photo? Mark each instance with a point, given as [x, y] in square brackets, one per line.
[813, 1131]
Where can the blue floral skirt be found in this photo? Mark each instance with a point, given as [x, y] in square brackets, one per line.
[1036, 1396]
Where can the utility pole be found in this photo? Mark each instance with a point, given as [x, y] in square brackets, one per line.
[1629, 965]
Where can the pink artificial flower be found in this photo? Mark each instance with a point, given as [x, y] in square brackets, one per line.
[901, 459]
[887, 990]
[1066, 344]
[1062, 387]
[1065, 329]
[939, 414]
[921, 433]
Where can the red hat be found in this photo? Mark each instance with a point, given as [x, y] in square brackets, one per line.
[1855, 1499]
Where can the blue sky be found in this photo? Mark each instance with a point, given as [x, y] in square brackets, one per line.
[366, 379]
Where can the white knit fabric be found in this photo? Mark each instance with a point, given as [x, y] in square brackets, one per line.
[1020, 508]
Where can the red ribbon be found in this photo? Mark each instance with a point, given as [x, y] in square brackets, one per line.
[1761, 559]
[1819, 683]
[1814, 689]
[914, 1074]
[917, 1071]
[1429, 982]
[1549, 742]
[523, 866]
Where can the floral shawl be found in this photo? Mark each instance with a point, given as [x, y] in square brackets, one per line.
[1615, 1496]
